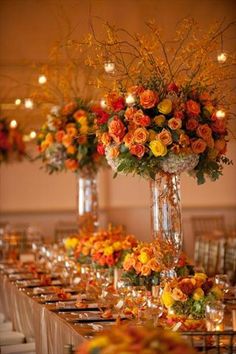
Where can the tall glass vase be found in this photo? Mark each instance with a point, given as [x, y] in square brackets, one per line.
[166, 221]
[87, 201]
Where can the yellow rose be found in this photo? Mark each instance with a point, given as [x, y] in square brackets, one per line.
[159, 120]
[167, 298]
[99, 342]
[108, 250]
[152, 135]
[198, 294]
[201, 276]
[165, 106]
[83, 125]
[143, 257]
[117, 245]
[158, 148]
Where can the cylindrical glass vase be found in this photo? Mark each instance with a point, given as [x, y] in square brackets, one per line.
[87, 201]
[166, 221]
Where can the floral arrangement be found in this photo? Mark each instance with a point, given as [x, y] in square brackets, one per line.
[141, 266]
[105, 248]
[67, 140]
[168, 112]
[129, 339]
[166, 128]
[186, 297]
[11, 142]
[70, 244]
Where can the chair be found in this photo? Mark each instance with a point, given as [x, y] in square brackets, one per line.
[11, 338]
[6, 326]
[203, 225]
[25, 348]
[64, 229]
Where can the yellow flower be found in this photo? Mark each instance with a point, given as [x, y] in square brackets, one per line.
[165, 106]
[49, 138]
[143, 257]
[83, 125]
[108, 250]
[158, 148]
[167, 298]
[217, 292]
[117, 246]
[99, 342]
[200, 276]
[198, 294]
[71, 242]
[159, 120]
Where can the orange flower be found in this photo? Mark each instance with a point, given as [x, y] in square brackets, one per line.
[220, 145]
[193, 108]
[204, 97]
[129, 113]
[59, 135]
[137, 150]
[49, 138]
[78, 114]
[184, 140]
[138, 266]
[148, 99]
[105, 139]
[198, 146]
[204, 131]
[82, 139]
[165, 137]
[191, 124]
[178, 295]
[145, 270]
[71, 130]
[69, 108]
[153, 264]
[136, 90]
[114, 152]
[219, 126]
[128, 139]
[174, 123]
[116, 129]
[141, 119]
[67, 140]
[71, 149]
[71, 164]
[140, 135]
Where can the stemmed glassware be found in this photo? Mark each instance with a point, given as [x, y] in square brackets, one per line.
[139, 299]
[215, 313]
[222, 280]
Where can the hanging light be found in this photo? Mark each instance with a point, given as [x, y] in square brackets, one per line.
[130, 100]
[32, 135]
[220, 114]
[42, 79]
[17, 101]
[222, 57]
[13, 123]
[109, 67]
[103, 103]
[29, 103]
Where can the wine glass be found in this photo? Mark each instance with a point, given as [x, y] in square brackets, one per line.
[222, 280]
[139, 298]
[215, 313]
[154, 309]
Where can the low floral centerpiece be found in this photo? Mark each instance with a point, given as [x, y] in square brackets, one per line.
[12, 146]
[185, 299]
[141, 266]
[129, 339]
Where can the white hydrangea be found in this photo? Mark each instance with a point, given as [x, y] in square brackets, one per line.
[55, 155]
[178, 163]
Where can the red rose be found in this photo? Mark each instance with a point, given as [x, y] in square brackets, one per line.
[192, 124]
[119, 104]
[103, 118]
[219, 126]
[137, 150]
[193, 108]
[172, 87]
[100, 149]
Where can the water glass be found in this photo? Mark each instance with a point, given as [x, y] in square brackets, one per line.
[222, 280]
[215, 313]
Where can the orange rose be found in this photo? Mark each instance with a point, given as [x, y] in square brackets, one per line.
[174, 123]
[71, 130]
[80, 113]
[136, 90]
[105, 139]
[184, 140]
[153, 264]
[141, 119]
[219, 126]
[128, 139]
[148, 99]
[178, 295]
[129, 113]
[165, 137]
[204, 131]
[71, 164]
[137, 150]
[59, 135]
[220, 145]
[191, 124]
[49, 138]
[116, 129]
[138, 267]
[66, 140]
[193, 108]
[140, 135]
[69, 108]
[71, 149]
[205, 97]
[145, 270]
[198, 146]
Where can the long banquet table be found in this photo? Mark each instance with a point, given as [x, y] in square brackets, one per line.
[35, 321]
